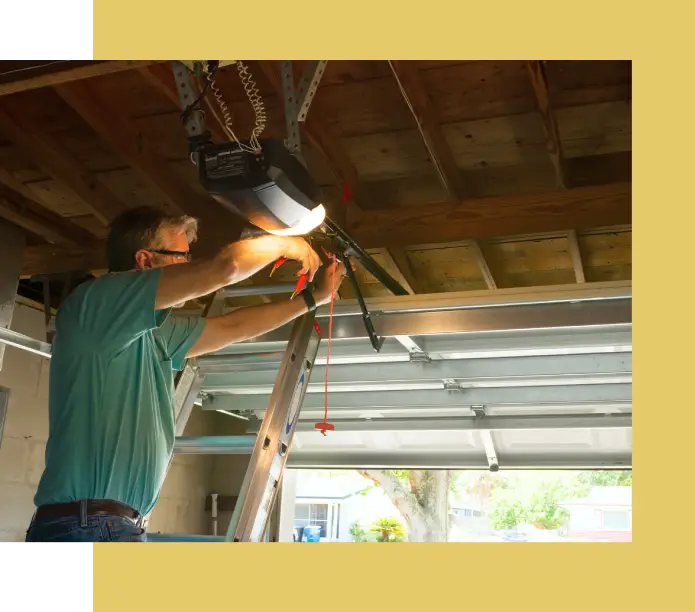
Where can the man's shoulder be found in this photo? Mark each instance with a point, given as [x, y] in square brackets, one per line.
[106, 283]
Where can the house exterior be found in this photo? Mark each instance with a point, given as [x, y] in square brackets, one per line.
[605, 514]
[334, 501]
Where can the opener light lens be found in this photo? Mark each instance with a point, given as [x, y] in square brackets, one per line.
[308, 222]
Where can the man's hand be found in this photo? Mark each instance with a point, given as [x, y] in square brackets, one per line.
[299, 250]
[327, 286]
[253, 321]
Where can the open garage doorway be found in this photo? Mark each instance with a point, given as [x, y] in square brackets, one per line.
[456, 506]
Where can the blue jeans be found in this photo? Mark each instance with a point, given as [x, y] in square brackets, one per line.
[92, 528]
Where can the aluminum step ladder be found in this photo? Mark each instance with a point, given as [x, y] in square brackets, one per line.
[270, 448]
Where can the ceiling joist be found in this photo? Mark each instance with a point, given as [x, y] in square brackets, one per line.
[54, 73]
[55, 161]
[17, 209]
[552, 135]
[418, 101]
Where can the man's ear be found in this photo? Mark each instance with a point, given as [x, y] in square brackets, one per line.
[143, 260]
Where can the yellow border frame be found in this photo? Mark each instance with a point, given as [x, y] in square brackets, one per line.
[436, 576]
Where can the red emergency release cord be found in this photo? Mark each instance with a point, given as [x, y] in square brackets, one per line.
[325, 425]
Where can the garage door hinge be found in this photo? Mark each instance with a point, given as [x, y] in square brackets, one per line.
[451, 385]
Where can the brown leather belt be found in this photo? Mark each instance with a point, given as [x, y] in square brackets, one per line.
[94, 507]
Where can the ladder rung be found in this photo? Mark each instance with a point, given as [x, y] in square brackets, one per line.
[214, 445]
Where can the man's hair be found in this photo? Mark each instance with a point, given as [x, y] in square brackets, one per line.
[142, 228]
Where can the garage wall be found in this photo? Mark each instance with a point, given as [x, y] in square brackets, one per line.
[228, 470]
[181, 505]
[23, 443]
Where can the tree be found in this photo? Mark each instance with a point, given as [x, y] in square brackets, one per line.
[421, 497]
[479, 485]
[621, 478]
[535, 499]
[507, 510]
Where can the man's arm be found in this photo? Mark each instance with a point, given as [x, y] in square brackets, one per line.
[235, 262]
[253, 321]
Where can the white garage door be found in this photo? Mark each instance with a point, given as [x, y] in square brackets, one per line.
[508, 379]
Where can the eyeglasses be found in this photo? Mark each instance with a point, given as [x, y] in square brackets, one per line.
[185, 254]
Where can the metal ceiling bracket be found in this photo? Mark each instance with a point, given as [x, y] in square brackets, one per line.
[308, 85]
[293, 141]
[193, 121]
[298, 99]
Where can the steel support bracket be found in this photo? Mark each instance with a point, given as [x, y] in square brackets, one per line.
[191, 116]
[298, 99]
[308, 85]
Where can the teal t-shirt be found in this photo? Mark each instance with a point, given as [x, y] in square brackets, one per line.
[111, 392]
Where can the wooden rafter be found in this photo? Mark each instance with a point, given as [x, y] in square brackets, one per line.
[21, 211]
[48, 259]
[35, 77]
[120, 135]
[418, 101]
[552, 135]
[576, 256]
[581, 208]
[55, 161]
[482, 264]
[398, 265]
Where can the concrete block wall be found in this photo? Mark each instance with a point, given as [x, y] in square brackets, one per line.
[181, 504]
[228, 470]
[181, 507]
[23, 444]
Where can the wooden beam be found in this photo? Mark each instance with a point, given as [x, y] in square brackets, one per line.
[482, 264]
[161, 76]
[420, 105]
[17, 209]
[120, 134]
[576, 256]
[398, 265]
[47, 259]
[582, 208]
[43, 150]
[552, 135]
[30, 78]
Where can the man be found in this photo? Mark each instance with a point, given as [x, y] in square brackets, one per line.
[111, 390]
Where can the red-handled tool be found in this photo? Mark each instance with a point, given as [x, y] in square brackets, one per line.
[277, 264]
[301, 282]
